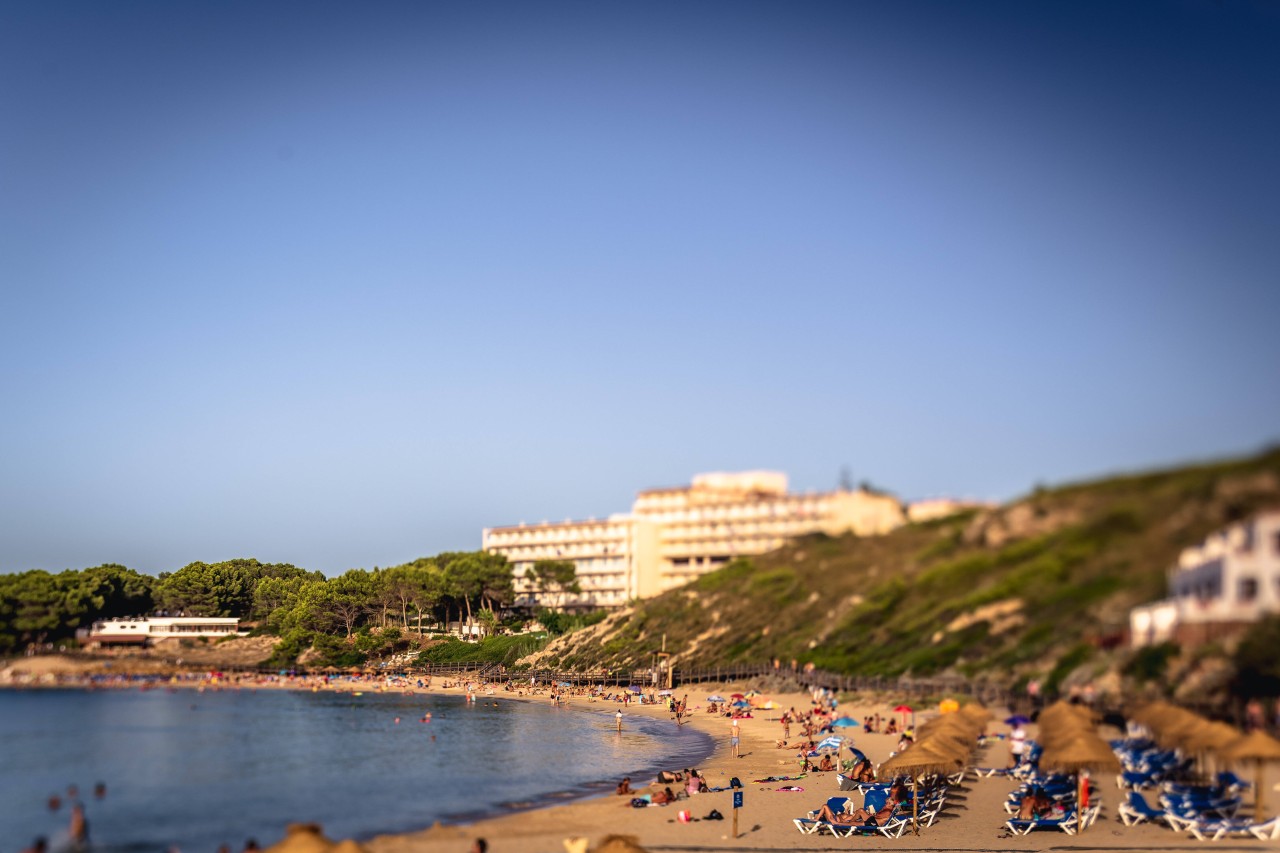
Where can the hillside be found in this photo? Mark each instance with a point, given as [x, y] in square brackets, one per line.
[1039, 586]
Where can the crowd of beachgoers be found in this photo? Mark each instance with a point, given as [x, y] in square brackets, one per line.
[889, 770]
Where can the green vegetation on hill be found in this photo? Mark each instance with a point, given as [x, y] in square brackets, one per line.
[1041, 586]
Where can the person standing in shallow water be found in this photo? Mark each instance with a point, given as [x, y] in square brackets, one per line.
[78, 831]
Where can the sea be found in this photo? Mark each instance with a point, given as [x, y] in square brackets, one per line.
[192, 771]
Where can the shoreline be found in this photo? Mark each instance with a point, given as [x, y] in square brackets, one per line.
[972, 822]
[172, 679]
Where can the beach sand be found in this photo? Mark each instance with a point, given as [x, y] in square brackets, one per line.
[973, 820]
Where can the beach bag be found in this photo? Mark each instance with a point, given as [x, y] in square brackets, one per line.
[735, 782]
[639, 803]
[715, 815]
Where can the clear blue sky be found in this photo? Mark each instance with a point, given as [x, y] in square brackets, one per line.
[339, 284]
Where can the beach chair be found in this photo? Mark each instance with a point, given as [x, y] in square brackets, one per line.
[810, 825]
[1232, 783]
[988, 772]
[836, 804]
[1137, 810]
[1067, 823]
[1215, 830]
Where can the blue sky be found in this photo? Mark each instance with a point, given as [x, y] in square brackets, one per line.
[339, 284]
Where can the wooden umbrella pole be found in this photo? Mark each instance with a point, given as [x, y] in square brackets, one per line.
[915, 807]
[1257, 794]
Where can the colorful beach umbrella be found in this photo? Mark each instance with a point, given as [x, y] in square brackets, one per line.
[715, 698]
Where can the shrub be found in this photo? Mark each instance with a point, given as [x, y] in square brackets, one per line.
[1151, 662]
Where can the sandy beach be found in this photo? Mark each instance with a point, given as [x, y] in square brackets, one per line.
[973, 820]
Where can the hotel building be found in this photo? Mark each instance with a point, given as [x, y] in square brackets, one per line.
[1228, 581]
[141, 630]
[673, 535]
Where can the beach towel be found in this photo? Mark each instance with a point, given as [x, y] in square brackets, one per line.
[779, 779]
[795, 788]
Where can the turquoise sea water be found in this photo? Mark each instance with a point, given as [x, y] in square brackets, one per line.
[196, 770]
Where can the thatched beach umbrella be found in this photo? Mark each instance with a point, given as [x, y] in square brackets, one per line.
[1086, 752]
[952, 724]
[1258, 747]
[951, 743]
[1207, 740]
[919, 760]
[308, 838]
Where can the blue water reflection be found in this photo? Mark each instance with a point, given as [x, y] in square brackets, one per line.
[197, 770]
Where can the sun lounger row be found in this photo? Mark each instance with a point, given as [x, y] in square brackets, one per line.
[1059, 796]
[931, 801]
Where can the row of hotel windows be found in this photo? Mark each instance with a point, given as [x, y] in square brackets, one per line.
[551, 552]
[733, 511]
[753, 528]
[585, 564]
[587, 582]
[737, 546]
[557, 534]
[1247, 589]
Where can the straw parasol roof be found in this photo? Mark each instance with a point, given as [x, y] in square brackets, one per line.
[309, 838]
[921, 759]
[1060, 711]
[1211, 736]
[952, 724]
[1255, 746]
[951, 743]
[1087, 752]
[1049, 738]
[976, 712]
[619, 844]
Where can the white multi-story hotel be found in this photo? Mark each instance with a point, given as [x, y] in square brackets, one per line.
[674, 535]
[1231, 579]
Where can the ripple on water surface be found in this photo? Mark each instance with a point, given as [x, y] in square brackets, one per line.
[198, 770]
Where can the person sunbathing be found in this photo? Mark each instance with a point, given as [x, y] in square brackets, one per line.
[663, 797]
[1035, 805]
[858, 817]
